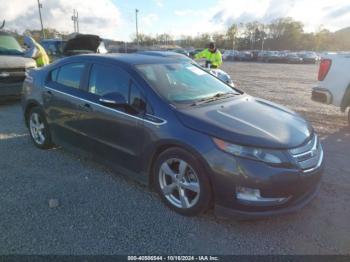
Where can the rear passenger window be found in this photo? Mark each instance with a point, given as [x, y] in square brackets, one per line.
[70, 75]
[107, 79]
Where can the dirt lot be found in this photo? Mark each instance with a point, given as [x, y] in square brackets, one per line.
[103, 213]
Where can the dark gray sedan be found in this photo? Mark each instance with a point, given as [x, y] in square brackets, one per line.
[168, 123]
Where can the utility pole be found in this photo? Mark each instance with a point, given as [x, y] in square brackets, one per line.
[137, 27]
[75, 20]
[41, 20]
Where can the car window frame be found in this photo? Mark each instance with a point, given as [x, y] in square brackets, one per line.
[132, 81]
[59, 67]
[69, 91]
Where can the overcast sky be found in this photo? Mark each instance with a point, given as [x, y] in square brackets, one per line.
[116, 18]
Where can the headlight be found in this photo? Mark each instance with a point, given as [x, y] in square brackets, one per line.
[265, 155]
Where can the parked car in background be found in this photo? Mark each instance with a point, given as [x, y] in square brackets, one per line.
[273, 57]
[84, 44]
[309, 58]
[194, 52]
[244, 56]
[78, 44]
[229, 55]
[171, 124]
[261, 56]
[293, 58]
[334, 82]
[13, 66]
[54, 48]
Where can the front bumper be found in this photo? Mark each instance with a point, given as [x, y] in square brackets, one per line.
[11, 89]
[295, 187]
[302, 201]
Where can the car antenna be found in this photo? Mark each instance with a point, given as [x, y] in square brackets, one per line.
[3, 25]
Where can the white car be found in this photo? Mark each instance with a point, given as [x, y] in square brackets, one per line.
[334, 81]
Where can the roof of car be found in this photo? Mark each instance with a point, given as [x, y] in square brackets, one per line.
[134, 58]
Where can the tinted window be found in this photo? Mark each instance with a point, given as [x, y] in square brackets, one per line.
[107, 79]
[70, 75]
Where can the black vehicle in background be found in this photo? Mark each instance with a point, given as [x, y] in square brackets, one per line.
[79, 44]
[171, 124]
[293, 58]
[309, 57]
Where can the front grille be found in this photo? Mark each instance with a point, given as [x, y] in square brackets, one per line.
[15, 75]
[19, 69]
[309, 156]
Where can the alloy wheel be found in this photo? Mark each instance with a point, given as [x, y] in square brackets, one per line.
[179, 183]
[37, 128]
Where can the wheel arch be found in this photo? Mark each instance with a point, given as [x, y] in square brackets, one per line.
[29, 106]
[163, 146]
[345, 103]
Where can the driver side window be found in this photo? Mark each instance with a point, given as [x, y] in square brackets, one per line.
[106, 79]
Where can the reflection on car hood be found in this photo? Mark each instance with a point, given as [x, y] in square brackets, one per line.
[248, 121]
[88, 43]
[11, 61]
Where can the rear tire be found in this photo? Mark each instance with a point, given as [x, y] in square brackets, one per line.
[39, 129]
[182, 182]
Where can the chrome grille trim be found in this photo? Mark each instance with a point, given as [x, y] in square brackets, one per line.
[309, 157]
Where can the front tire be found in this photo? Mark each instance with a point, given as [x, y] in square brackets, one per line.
[39, 129]
[182, 182]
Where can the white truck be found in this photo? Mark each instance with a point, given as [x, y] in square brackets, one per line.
[334, 81]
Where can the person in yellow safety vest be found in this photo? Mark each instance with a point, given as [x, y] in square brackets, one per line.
[212, 54]
[36, 51]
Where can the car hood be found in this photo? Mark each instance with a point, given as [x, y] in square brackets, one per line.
[12, 61]
[89, 43]
[248, 121]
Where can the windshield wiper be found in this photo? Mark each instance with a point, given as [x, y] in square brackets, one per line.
[215, 97]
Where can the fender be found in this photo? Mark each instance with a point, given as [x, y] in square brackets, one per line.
[158, 148]
[27, 107]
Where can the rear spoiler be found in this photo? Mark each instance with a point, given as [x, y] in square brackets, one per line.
[3, 25]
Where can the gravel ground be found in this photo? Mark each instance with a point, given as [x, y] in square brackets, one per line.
[103, 213]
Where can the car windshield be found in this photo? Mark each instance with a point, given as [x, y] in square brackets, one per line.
[9, 46]
[183, 82]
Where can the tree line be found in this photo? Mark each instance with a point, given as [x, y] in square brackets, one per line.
[280, 34]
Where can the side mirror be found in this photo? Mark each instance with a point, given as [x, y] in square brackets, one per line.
[115, 100]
